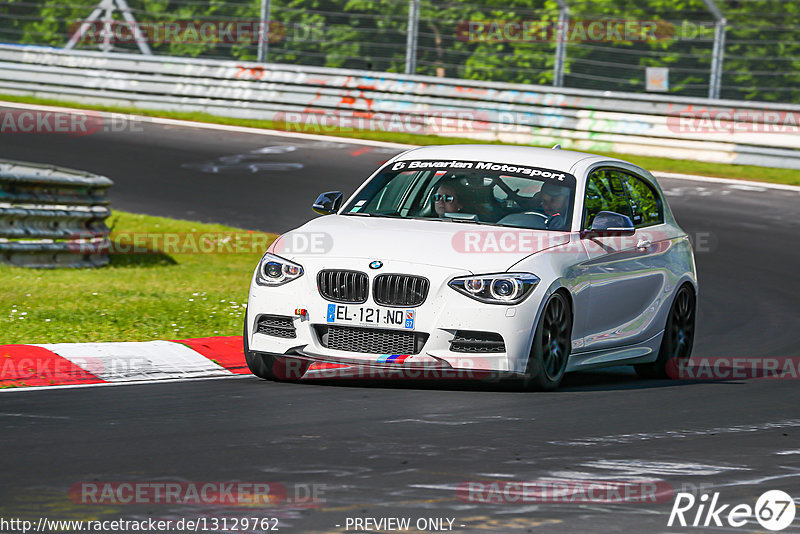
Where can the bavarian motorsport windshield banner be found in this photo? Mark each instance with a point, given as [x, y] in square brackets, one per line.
[513, 170]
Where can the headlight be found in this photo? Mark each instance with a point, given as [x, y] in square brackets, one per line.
[274, 271]
[505, 288]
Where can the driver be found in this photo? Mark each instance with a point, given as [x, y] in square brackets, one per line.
[554, 199]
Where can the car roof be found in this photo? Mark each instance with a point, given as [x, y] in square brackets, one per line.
[548, 158]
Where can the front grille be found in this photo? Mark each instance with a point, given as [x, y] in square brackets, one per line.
[400, 290]
[370, 340]
[477, 342]
[343, 286]
[276, 325]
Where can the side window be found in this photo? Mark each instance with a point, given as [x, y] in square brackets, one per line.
[604, 192]
[645, 203]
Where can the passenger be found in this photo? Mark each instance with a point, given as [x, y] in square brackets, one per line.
[449, 198]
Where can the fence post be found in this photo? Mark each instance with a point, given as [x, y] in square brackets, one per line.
[263, 36]
[107, 7]
[561, 43]
[718, 52]
[411, 38]
[715, 85]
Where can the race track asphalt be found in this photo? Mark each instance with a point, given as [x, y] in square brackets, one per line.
[401, 450]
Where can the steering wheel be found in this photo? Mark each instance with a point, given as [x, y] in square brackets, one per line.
[544, 217]
[555, 222]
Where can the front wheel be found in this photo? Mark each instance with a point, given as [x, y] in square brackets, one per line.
[676, 346]
[551, 346]
[272, 367]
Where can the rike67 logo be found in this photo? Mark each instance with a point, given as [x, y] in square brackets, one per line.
[774, 510]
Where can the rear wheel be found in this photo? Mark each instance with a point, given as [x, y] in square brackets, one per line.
[272, 367]
[678, 336]
[551, 346]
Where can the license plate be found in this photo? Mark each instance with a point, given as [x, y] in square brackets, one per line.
[340, 313]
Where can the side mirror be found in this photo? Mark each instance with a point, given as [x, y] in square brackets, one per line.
[328, 203]
[608, 223]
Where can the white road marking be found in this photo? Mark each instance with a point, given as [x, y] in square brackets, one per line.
[643, 467]
[32, 416]
[428, 422]
[595, 475]
[677, 434]
[210, 126]
[728, 181]
[129, 383]
[755, 481]
[133, 361]
[756, 189]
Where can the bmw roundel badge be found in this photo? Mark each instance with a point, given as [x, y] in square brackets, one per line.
[376, 264]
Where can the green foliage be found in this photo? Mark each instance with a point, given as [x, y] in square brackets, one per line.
[762, 53]
[138, 297]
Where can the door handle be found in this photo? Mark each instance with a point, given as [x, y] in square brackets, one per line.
[643, 244]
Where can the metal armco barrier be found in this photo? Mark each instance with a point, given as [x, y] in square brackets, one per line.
[52, 217]
[677, 127]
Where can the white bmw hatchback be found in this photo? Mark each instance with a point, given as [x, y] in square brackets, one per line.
[515, 261]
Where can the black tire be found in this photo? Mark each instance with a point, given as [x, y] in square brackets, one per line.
[551, 346]
[678, 336]
[272, 367]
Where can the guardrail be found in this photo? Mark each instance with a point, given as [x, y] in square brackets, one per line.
[739, 132]
[52, 217]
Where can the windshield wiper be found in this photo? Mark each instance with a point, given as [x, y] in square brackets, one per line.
[382, 215]
[468, 221]
[436, 219]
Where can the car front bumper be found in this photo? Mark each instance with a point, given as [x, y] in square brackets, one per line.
[444, 312]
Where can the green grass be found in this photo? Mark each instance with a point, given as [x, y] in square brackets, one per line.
[741, 172]
[138, 297]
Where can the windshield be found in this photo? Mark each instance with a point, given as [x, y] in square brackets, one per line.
[469, 191]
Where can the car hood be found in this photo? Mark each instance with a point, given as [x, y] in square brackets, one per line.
[476, 248]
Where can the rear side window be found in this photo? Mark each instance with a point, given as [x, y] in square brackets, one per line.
[604, 192]
[645, 202]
